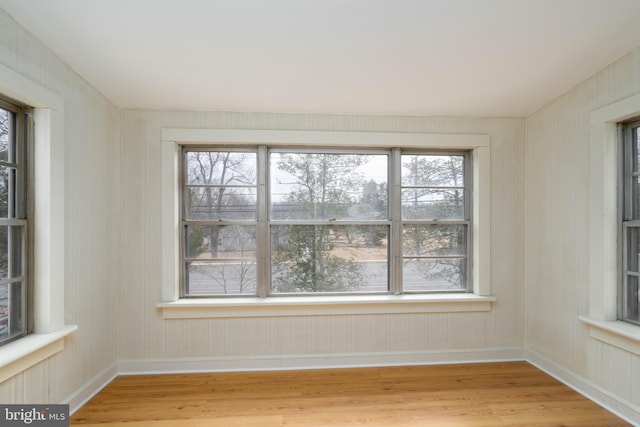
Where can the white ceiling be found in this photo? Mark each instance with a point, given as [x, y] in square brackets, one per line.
[428, 57]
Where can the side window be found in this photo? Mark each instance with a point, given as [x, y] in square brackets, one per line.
[13, 221]
[630, 224]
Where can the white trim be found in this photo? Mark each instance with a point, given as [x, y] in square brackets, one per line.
[48, 226]
[603, 207]
[172, 138]
[20, 88]
[616, 112]
[21, 354]
[49, 221]
[317, 361]
[618, 334]
[170, 154]
[623, 409]
[603, 222]
[482, 220]
[323, 305]
[92, 387]
[324, 138]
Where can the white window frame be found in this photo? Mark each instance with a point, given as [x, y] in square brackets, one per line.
[604, 253]
[48, 252]
[173, 307]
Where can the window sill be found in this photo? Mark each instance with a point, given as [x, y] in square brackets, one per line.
[615, 333]
[23, 353]
[323, 306]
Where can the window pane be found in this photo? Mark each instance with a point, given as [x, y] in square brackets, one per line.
[434, 240]
[16, 242]
[630, 310]
[633, 249]
[7, 135]
[16, 317]
[220, 203]
[220, 241]
[432, 204]
[221, 168]
[636, 149]
[4, 312]
[12, 310]
[11, 245]
[221, 278]
[433, 170]
[440, 274]
[4, 252]
[316, 258]
[635, 183]
[7, 192]
[328, 186]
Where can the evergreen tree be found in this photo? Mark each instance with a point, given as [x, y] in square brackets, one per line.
[322, 189]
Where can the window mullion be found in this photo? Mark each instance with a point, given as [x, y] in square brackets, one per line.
[395, 212]
[183, 274]
[263, 272]
[468, 215]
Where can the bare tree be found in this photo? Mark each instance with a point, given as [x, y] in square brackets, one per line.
[237, 276]
[214, 197]
[219, 190]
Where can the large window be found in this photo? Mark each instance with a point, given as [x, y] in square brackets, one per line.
[288, 221]
[13, 222]
[628, 295]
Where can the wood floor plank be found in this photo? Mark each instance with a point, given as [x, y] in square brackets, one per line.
[239, 421]
[484, 394]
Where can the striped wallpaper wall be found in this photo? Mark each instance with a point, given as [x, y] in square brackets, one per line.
[146, 336]
[557, 232]
[92, 134]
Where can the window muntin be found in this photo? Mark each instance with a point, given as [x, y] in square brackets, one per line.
[13, 222]
[629, 310]
[327, 223]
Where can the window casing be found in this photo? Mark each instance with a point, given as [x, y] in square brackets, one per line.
[266, 221]
[628, 307]
[14, 231]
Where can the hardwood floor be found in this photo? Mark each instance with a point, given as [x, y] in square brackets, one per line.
[486, 394]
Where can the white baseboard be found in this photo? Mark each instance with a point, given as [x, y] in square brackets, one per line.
[315, 361]
[623, 409]
[91, 388]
